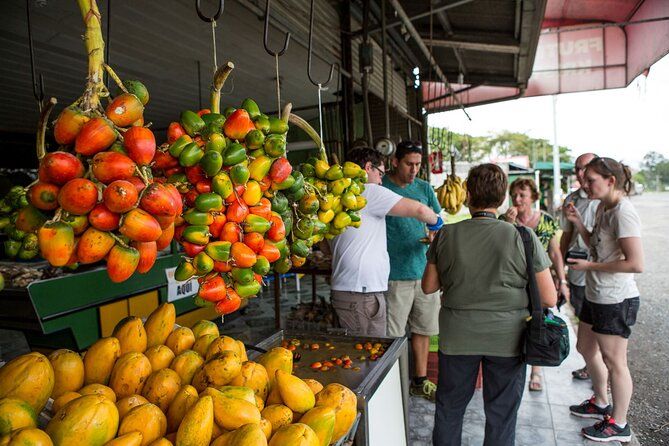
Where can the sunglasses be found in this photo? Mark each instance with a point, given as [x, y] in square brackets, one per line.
[382, 173]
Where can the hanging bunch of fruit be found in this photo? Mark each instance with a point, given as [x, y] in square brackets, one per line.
[19, 221]
[452, 194]
[97, 188]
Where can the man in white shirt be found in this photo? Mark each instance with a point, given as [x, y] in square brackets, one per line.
[360, 262]
[572, 242]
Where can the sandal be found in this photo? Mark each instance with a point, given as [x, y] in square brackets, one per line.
[581, 374]
[535, 382]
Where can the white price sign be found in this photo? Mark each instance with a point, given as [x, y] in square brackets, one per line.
[178, 290]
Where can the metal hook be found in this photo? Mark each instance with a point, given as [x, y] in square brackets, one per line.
[38, 87]
[311, 35]
[214, 17]
[266, 33]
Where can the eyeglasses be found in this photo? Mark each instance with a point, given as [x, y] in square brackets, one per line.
[605, 164]
[381, 172]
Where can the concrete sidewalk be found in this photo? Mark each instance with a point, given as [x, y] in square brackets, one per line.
[543, 418]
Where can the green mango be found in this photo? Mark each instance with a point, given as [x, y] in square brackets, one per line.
[209, 201]
[254, 139]
[341, 220]
[259, 167]
[251, 107]
[285, 184]
[235, 153]
[222, 185]
[118, 148]
[249, 290]
[190, 155]
[283, 265]
[299, 248]
[277, 126]
[227, 111]
[216, 119]
[211, 162]
[195, 217]
[303, 229]
[308, 204]
[275, 146]
[242, 276]
[308, 170]
[299, 182]
[198, 301]
[255, 223]
[196, 234]
[334, 173]
[338, 187]
[262, 124]
[191, 122]
[185, 270]
[12, 248]
[279, 202]
[219, 251]
[217, 142]
[261, 266]
[351, 170]
[348, 200]
[239, 174]
[203, 263]
[179, 145]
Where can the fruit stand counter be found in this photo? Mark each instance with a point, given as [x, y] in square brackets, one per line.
[74, 310]
[382, 403]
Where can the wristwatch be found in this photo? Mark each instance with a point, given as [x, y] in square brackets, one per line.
[564, 282]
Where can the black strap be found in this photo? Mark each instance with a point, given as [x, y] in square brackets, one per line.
[485, 214]
[532, 288]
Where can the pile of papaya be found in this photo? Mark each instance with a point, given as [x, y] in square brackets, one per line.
[156, 384]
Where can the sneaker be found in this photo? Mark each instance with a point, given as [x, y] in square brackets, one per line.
[588, 409]
[427, 389]
[607, 430]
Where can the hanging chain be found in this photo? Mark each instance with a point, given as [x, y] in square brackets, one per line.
[278, 85]
[213, 40]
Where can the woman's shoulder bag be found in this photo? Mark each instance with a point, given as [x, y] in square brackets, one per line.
[546, 340]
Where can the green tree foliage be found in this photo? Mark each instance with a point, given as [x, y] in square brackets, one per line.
[506, 143]
[655, 167]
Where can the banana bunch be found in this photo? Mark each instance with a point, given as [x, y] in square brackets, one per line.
[452, 194]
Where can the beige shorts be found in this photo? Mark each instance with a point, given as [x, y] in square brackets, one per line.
[408, 304]
[360, 313]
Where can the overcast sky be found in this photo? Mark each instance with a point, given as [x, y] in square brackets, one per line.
[623, 124]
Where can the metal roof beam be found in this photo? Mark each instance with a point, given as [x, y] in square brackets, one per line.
[461, 44]
[446, 25]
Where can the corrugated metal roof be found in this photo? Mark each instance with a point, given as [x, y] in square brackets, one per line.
[160, 43]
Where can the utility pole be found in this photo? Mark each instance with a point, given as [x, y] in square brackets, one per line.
[557, 189]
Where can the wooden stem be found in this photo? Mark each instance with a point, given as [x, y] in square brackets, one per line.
[111, 73]
[95, 48]
[220, 77]
[313, 134]
[41, 127]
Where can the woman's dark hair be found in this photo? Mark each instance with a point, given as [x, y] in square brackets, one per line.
[523, 183]
[486, 185]
[362, 155]
[608, 167]
[406, 147]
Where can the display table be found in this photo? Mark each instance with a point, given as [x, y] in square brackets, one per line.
[382, 403]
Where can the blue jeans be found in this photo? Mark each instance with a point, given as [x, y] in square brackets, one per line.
[503, 385]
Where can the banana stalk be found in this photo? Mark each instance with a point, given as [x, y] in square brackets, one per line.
[313, 134]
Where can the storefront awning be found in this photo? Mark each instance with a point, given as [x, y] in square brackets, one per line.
[584, 45]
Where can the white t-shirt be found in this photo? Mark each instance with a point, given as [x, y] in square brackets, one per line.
[360, 259]
[588, 209]
[621, 221]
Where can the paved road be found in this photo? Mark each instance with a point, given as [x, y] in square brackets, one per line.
[649, 344]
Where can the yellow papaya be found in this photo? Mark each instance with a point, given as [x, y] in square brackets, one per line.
[161, 387]
[63, 400]
[197, 425]
[221, 344]
[28, 436]
[98, 389]
[275, 359]
[322, 420]
[147, 419]
[15, 414]
[131, 334]
[314, 385]
[248, 435]
[278, 415]
[99, 360]
[91, 420]
[218, 371]
[295, 393]
[182, 402]
[186, 364]
[181, 339]
[129, 439]
[160, 356]
[297, 434]
[203, 342]
[160, 324]
[231, 413]
[68, 372]
[203, 327]
[29, 378]
[124, 405]
[129, 374]
[345, 405]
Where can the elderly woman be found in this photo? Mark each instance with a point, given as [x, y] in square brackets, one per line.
[480, 266]
[524, 194]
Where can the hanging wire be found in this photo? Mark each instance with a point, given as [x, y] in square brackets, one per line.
[278, 85]
[211, 20]
[275, 54]
[38, 87]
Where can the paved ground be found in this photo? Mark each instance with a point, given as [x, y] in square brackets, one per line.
[649, 345]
